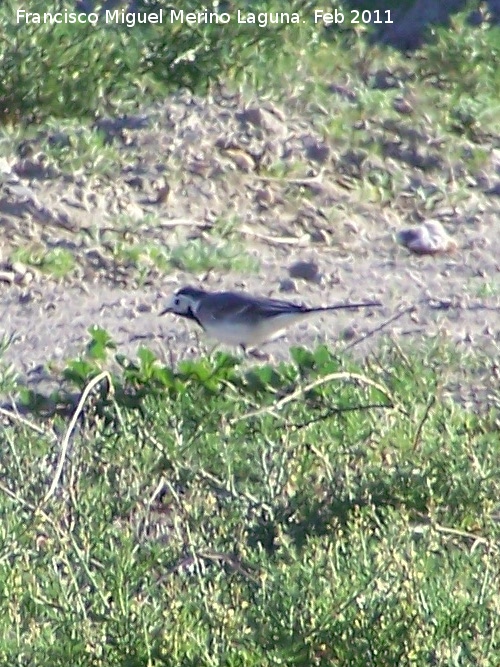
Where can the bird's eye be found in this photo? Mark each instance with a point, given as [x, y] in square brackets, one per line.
[177, 302]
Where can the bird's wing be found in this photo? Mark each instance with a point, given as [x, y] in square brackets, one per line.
[231, 306]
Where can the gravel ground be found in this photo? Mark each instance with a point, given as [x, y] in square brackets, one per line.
[193, 169]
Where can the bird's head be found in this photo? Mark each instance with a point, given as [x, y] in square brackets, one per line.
[184, 302]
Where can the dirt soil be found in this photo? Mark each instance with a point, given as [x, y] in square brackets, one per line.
[209, 169]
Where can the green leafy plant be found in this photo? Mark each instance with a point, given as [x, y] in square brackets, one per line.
[271, 507]
[58, 262]
[200, 255]
[75, 69]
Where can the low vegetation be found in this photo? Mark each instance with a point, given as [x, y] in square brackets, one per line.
[77, 69]
[316, 512]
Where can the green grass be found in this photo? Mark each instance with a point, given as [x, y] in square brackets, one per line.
[193, 256]
[451, 85]
[58, 262]
[486, 289]
[139, 259]
[74, 148]
[67, 146]
[198, 255]
[223, 515]
[79, 69]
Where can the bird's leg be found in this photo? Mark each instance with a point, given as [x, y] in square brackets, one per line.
[252, 352]
[258, 354]
[212, 350]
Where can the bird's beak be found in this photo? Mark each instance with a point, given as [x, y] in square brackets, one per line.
[167, 310]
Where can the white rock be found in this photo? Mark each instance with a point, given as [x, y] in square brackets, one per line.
[430, 238]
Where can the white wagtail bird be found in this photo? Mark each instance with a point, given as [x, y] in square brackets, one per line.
[236, 318]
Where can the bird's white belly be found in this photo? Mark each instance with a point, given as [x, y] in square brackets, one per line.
[250, 334]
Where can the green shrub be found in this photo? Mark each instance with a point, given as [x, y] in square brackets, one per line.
[74, 69]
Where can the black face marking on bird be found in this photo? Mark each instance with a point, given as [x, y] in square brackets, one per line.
[185, 303]
[190, 314]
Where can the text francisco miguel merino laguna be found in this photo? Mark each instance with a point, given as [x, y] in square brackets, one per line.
[130, 19]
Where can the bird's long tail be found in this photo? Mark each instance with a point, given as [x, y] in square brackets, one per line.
[344, 306]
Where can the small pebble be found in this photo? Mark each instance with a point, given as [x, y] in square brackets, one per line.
[304, 270]
[287, 285]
